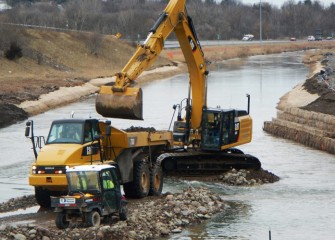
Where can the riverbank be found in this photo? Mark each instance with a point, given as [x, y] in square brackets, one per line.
[306, 114]
[33, 85]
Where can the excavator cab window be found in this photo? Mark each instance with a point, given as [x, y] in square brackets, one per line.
[218, 128]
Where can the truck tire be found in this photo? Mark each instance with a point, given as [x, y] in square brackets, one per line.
[139, 187]
[61, 221]
[42, 197]
[156, 180]
[92, 219]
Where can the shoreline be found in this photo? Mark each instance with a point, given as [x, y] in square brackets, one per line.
[306, 115]
[66, 95]
[24, 102]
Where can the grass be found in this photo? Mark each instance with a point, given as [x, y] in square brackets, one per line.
[219, 53]
[54, 59]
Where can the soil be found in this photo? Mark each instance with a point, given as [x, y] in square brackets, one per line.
[10, 114]
[323, 84]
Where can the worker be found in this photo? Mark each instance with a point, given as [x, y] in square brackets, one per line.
[74, 133]
[81, 183]
[87, 133]
[107, 181]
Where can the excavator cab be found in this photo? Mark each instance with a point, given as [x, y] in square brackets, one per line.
[218, 128]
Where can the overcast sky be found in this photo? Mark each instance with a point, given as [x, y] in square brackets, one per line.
[279, 3]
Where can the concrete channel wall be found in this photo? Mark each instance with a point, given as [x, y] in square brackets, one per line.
[312, 129]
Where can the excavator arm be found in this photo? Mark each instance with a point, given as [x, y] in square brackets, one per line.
[123, 100]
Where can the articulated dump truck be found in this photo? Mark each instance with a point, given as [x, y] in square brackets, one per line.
[203, 141]
[73, 142]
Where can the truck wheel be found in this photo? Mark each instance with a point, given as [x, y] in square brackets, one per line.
[140, 185]
[156, 181]
[123, 213]
[42, 197]
[92, 219]
[61, 221]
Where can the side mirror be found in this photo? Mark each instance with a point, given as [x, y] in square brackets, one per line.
[27, 132]
[108, 130]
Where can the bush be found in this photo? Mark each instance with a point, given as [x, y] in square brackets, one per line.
[14, 52]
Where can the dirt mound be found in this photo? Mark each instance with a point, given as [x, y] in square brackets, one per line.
[18, 203]
[10, 114]
[323, 83]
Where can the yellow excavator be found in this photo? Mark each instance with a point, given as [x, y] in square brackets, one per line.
[201, 142]
[206, 136]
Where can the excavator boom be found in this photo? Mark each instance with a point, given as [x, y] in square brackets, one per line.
[124, 99]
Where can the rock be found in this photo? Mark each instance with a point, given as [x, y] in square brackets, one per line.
[100, 234]
[132, 234]
[164, 231]
[185, 221]
[19, 236]
[185, 213]
[177, 210]
[176, 230]
[195, 203]
[178, 222]
[202, 210]
[32, 231]
[169, 197]
[168, 214]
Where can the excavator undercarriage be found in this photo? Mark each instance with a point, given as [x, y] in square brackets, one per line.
[189, 162]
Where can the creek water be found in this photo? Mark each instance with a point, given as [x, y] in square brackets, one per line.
[300, 206]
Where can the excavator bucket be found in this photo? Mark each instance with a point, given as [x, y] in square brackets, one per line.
[126, 105]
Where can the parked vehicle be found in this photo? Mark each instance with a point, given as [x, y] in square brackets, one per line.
[318, 35]
[248, 37]
[311, 38]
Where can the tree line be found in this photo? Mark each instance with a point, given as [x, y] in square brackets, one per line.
[224, 20]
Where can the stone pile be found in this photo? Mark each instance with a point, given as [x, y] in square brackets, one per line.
[18, 203]
[150, 218]
[245, 177]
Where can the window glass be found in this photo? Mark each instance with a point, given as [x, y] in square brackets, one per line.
[65, 133]
[83, 181]
[107, 180]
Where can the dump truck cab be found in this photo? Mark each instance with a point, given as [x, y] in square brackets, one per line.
[70, 142]
[93, 193]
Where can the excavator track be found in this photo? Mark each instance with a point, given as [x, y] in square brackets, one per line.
[198, 162]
